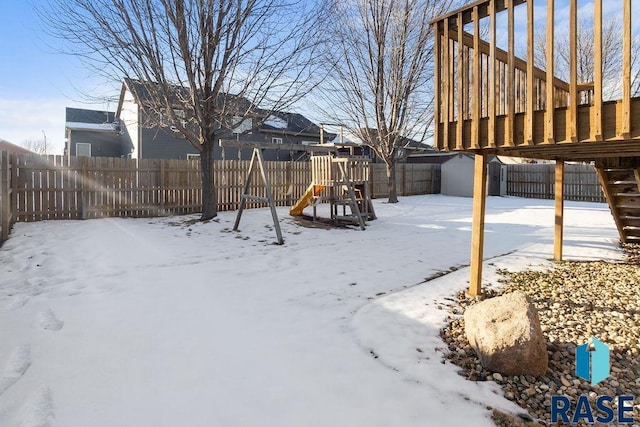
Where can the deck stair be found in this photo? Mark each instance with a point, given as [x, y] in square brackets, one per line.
[620, 181]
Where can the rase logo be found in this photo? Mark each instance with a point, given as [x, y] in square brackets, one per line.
[593, 365]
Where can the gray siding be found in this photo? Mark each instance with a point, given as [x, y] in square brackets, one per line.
[103, 144]
[161, 144]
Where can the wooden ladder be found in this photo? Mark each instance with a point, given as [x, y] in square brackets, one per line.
[351, 200]
[621, 187]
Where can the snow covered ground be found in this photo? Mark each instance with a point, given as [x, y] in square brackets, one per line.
[167, 322]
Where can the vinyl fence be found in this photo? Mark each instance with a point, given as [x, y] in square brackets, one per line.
[537, 181]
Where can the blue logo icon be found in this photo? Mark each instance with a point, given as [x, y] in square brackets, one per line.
[592, 362]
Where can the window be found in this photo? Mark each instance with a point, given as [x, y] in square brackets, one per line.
[83, 149]
[275, 140]
[193, 156]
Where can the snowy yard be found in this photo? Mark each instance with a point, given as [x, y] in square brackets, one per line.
[170, 322]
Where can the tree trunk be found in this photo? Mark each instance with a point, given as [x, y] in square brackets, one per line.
[209, 201]
[391, 182]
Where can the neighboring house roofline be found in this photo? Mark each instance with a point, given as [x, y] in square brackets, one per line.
[13, 148]
[96, 127]
[287, 132]
[296, 124]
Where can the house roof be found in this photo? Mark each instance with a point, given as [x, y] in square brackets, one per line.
[79, 115]
[91, 120]
[274, 121]
[407, 143]
[295, 123]
[12, 148]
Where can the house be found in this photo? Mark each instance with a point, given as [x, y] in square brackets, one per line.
[92, 133]
[144, 135]
[12, 148]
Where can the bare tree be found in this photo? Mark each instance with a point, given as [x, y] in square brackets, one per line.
[381, 52]
[211, 61]
[611, 55]
[38, 146]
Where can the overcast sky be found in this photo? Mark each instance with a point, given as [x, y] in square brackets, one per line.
[36, 83]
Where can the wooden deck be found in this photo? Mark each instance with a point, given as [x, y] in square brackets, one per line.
[489, 101]
[586, 146]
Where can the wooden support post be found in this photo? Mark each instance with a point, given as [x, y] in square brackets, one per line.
[573, 71]
[491, 133]
[597, 61]
[511, 77]
[446, 82]
[477, 231]
[559, 222]
[626, 70]
[531, 101]
[461, 83]
[437, 90]
[550, 103]
[476, 95]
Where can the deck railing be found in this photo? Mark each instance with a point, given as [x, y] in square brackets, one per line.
[487, 97]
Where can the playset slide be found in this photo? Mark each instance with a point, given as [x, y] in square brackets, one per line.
[306, 199]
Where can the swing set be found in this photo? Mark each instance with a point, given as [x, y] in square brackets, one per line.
[342, 181]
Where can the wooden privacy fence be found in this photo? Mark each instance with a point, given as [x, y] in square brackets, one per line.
[411, 179]
[36, 188]
[537, 181]
[53, 187]
[6, 213]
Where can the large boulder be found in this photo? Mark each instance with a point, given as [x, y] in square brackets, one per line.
[505, 334]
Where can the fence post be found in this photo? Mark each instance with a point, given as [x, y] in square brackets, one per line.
[83, 189]
[162, 192]
[404, 178]
[13, 160]
[5, 209]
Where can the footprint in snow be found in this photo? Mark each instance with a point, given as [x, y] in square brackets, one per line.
[16, 302]
[38, 411]
[16, 366]
[48, 320]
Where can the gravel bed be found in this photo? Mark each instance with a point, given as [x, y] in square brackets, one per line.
[575, 301]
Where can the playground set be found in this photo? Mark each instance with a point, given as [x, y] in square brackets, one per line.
[340, 180]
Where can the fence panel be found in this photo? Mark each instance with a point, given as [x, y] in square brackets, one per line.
[55, 187]
[411, 179]
[537, 181]
[6, 216]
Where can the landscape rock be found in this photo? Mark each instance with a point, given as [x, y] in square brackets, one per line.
[505, 333]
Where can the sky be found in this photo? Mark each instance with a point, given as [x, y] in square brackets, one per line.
[37, 83]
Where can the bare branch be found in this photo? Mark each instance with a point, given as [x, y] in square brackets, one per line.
[205, 60]
[380, 55]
